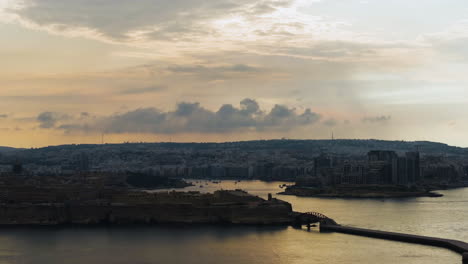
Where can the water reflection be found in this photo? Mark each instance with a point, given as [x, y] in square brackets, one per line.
[204, 244]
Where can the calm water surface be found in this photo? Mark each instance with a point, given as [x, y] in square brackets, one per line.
[444, 217]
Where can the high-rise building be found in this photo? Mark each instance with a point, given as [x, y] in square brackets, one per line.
[322, 162]
[413, 167]
[353, 174]
[383, 167]
[403, 171]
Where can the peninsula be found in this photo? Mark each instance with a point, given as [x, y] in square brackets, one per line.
[383, 174]
[360, 191]
[123, 198]
[78, 205]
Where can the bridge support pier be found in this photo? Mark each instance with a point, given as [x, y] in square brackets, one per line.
[465, 258]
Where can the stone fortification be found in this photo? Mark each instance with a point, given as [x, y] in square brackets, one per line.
[136, 207]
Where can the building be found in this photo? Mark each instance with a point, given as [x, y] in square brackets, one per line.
[403, 171]
[322, 162]
[413, 167]
[353, 174]
[383, 167]
[386, 167]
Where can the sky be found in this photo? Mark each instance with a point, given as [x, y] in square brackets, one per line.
[93, 71]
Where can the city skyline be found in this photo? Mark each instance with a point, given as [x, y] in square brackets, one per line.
[229, 71]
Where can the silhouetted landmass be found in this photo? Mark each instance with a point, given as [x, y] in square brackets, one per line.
[8, 149]
[78, 205]
[285, 160]
[342, 146]
[143, 180]
[361, 191]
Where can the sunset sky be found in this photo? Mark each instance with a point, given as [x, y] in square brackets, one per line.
[228, 70]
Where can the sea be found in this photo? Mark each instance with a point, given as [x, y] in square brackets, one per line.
[445, 217]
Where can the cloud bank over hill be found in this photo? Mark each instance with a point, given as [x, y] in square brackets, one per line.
[186, 118]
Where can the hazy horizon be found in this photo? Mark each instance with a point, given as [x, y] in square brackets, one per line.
[225, 70]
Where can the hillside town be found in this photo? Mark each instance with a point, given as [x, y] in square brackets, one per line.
[309, 163]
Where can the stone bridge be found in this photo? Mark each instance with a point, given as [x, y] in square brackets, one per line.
[312, 218]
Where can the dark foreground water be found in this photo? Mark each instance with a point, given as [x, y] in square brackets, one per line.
[444, 217]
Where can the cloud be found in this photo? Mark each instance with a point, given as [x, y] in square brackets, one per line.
[197, 69]
[337, 49]
[50, 119]
[144, 90]
[194, 118]
[217, 72]
[197, 26]
[451, 42]
[125, 20]
[50, 98]
[187, 28]
[3, 116]
[330, 122]
[376, 119]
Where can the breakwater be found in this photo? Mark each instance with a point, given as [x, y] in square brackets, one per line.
[454, 245]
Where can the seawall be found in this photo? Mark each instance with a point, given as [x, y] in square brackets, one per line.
[454, 245]
[261, 213]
